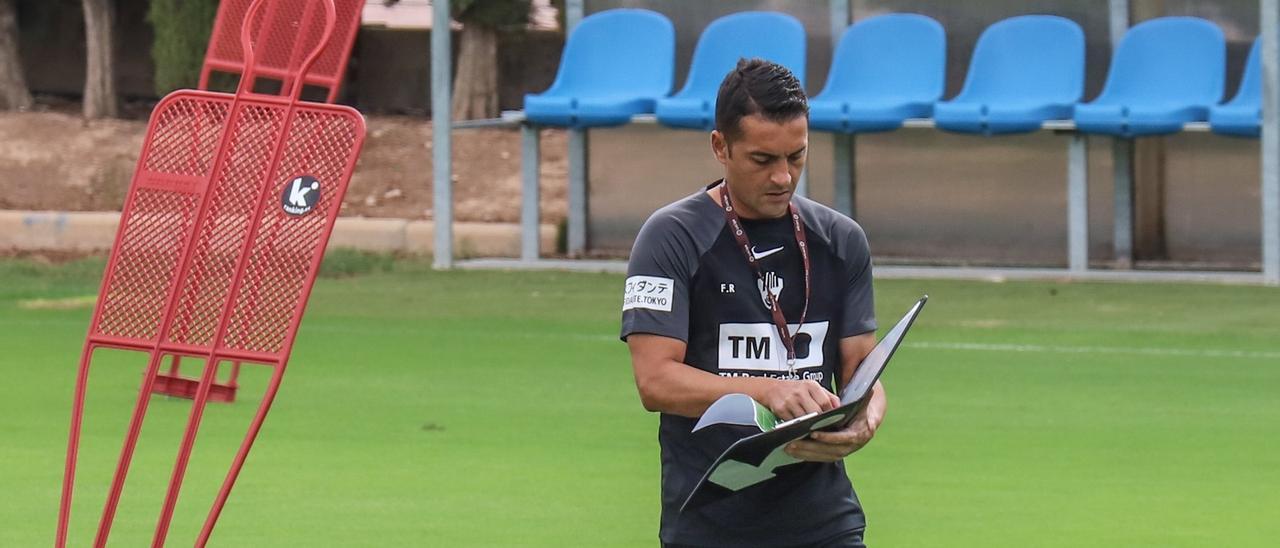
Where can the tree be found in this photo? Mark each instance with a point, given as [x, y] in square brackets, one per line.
[475, 92]
[100, 99]
[182, 29]
[561, 15]
[14, 94]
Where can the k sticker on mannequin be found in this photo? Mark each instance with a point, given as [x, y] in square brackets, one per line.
[300, 195]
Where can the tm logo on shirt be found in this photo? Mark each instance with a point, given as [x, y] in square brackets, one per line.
[758, 347]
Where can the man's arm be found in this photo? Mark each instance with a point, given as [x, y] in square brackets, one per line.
[833, 446]
[668, 385]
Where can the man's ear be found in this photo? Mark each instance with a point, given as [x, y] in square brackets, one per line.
[720, 146]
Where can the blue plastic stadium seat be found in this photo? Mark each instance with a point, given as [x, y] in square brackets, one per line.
[886, 69]
[1242, 115]
[616, 64]
[1025, 70]
[1166, 72]
[777, 37]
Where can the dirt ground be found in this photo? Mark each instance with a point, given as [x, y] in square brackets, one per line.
[54, 160]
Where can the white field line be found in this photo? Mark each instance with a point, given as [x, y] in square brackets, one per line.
[1059, 349]
[1022, 348]
[356, 328]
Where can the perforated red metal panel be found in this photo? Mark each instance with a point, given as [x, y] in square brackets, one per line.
[334, 59]
[279, 43]
[158, 217]
[234, 195]
[281, 257]
[185, 137]
[146, 263]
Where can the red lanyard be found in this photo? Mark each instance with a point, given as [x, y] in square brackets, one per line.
[735, 225]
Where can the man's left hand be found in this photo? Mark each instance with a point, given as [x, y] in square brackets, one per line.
[836, 445]
[833, 446]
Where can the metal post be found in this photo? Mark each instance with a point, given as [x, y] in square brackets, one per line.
[1078, 203]
[840, 18]
[1122, 153]
[441, 123]
[844, 173]
[1122, 156]
[1118, 18]
[843, 144]
[577, 236]
[577, 191]
[802, 186]
[573, 10]
[529, 220]
[1270, 22]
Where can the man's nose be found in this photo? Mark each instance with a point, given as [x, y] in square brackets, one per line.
[780, 175]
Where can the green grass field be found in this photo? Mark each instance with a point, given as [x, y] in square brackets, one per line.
[497, 409]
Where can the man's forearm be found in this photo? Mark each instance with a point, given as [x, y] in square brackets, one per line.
[679, 389]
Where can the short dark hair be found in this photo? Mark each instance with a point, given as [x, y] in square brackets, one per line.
[757, 86]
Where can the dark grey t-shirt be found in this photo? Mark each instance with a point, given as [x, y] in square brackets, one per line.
[687, 279]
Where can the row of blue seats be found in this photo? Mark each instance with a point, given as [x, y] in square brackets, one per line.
[1025, 70]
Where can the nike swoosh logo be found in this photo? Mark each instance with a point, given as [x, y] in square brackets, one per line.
[762, 254]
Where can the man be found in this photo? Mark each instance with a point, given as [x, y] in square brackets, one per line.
[704, 313]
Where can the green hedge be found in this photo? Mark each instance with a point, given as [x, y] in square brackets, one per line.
[182, 29]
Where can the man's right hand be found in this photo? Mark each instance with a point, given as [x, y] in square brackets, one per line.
[791, 399]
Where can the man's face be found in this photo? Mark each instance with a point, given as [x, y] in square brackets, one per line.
[763, 163]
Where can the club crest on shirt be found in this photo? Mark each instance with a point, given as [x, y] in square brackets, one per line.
[774, 283]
